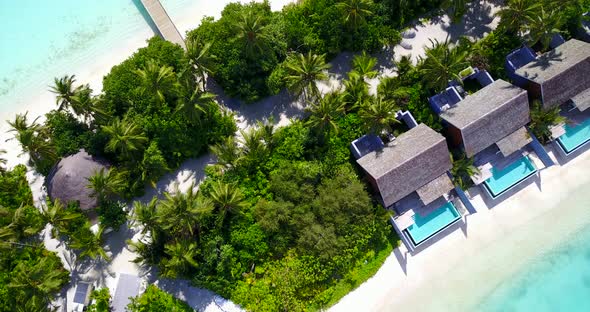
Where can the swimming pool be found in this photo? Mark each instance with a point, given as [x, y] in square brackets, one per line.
[575, 136]
[427, 226]
[504, 179]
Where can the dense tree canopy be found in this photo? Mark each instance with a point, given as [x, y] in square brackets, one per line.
[30, 276]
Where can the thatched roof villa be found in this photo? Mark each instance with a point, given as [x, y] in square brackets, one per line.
[407, 164]
[411, 175]
[68, 180]
[496, 114]
[560, 75]
[489, 125]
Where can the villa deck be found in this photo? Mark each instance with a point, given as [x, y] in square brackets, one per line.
[163, 22]
[411, 207]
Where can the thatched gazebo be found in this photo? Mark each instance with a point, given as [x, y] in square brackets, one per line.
[68, 180]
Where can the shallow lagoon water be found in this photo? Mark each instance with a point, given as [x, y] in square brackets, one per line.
[558, 280]
[43, 39]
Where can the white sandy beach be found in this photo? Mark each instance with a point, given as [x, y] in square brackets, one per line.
[447, 275]
[457, 271]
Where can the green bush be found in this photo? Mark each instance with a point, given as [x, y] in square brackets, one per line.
[102, 299]
[156, 300]
[111, 214]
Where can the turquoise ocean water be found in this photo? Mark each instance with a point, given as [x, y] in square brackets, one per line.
[43, 39]
[556, 281]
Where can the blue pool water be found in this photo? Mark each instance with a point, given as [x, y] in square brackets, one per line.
[575, 136]
[426, 226]
[502, 180]
[555, 281]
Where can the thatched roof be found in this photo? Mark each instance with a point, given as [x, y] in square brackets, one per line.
[582, 100]
[433, 190]
[514, 141]
[67, 181]
[561, 72]
[489, 115]
[404, 165]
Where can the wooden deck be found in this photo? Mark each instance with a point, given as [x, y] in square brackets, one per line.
[163, 22]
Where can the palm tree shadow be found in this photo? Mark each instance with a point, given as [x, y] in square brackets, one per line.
[276, 107]
[544, 61]
[475, 23]
[116, 241]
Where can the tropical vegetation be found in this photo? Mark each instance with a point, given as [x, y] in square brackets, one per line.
[30, 275]
[543, 120]
[284, 220]
[156, 300]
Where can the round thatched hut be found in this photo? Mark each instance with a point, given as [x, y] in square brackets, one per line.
[68, 180]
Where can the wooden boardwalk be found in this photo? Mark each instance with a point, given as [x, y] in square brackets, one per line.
[163, 22]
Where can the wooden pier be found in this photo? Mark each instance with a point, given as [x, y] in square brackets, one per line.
[163, 22]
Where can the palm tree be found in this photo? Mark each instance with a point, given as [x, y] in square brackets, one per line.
[7, 234]
[105, 184]
[36, 282]
[194, 104]
[89, 244]
[181, 214]
[364, 65]
[181, 259]
[543, 26]
[251, 31]
[254, 148]
[146, 215]
[125, 138]
[32, 139]
[23, 224]
[543, 120]
[227, 152]
[55, 214]
[227, 198]
[355, 11]
[379, 115]
[515, 15]
[325, 113]
[157, 80]
[303, 73]
[82, 103]
[2, 161]
[457, 7]
[64, 90]
[462, 170]
[442, 64]
[390, 90]
[267, 132]
[199, 58]
[356, 90]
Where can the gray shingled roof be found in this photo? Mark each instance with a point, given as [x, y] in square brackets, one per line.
[67, 181]
[412, 160]
[489, 115]
[514, 141]
[562, 72]
[435, 189]
[582, 100]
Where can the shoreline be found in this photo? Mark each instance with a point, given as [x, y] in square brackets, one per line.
[91, 66]
[496, 244]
